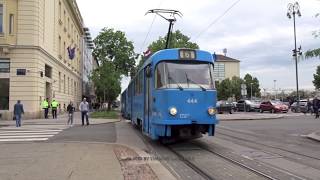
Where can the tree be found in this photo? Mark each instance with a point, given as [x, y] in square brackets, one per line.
[107, 82]
[236, 86]
[316, 81]
[111, 45]
[255, 85]
[224, 89]
[177, 40]
[314, 52]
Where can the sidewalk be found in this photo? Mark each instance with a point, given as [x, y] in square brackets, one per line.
[62, 119]
[76, 160]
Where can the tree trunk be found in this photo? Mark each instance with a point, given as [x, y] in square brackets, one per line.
[109, 106]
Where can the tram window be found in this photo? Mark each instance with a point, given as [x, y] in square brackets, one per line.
[160, 78]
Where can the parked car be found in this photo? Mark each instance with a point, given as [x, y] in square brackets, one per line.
[224, 106]
[303, 107]
[273, 106]
[245, 105]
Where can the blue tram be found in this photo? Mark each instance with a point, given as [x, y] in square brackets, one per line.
[173, 95]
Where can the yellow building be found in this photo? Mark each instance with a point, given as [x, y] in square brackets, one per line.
[226, 67]
[37, 40]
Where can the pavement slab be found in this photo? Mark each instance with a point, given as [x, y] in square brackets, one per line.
[52, 161]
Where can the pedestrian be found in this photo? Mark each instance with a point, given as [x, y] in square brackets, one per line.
[17, 111]
[309, 106]
[84, 108]
[70, 110]
[45, 106]
[54, 106]
[316, 103]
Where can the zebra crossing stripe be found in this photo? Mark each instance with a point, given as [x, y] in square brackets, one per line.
[23, 139]
[28, 133]
[25, 136]
[40, 131]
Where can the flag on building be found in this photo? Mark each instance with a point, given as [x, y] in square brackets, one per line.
[71, 52]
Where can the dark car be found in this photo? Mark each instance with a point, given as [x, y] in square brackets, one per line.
[224, 106]
[246, 105]
[303, 107]
[273, 106]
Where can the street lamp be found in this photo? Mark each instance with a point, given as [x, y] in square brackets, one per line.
[251, 91]
[275, 90]
[294, 9]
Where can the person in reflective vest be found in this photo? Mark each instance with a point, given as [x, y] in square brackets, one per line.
[45, 106]
[54, 107]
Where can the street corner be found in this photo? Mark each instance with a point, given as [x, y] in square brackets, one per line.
[137, 164]
[314, 136]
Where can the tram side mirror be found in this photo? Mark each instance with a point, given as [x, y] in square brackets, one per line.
[148, 71]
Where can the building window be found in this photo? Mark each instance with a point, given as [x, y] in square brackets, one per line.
[64, 50]
[64, 83]
[59, 48]
[4, 65]
[64, 18]
[219, 71]
[68, 85]
[60, 10]
[1, 18]
[48, 71]
[21, 72]
[4, 94]
[59, 82]
[11, 24]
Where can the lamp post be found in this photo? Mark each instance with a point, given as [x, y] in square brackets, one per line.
[293, 10]
[275, 90]
[251, 91]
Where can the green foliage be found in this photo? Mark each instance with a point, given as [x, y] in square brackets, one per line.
[177, 40]
[105, 114]
[255, 85]
[111, 45]
[314, 52]
[107, 82]
[229, 88]
[316, 81]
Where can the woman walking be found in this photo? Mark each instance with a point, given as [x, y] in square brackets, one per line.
[70, 110]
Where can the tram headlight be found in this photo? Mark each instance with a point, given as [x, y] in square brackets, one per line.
[173, 111]
[212, 111]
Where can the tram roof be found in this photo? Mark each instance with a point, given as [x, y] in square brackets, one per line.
[173, 54]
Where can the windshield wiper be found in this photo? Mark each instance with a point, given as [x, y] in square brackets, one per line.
[171, 79]
[188, 79]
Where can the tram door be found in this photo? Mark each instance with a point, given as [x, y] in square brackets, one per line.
[147, 106]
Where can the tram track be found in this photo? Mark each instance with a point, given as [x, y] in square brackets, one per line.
[222, 156]
[264, 147]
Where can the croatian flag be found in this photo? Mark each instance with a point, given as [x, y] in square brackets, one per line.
[71, 52]
[147, 53]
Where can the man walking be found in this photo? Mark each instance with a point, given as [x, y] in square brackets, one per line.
[84, 108]
[17, 111]
[45, 106]
[316, 103]
[70, 110]
[54, 106]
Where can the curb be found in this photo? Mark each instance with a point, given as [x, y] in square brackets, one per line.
[314, 136]
[249, 118]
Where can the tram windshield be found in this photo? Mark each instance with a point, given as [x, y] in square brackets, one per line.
[184, 75]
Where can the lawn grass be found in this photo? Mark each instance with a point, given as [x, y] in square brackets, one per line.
[105, 114]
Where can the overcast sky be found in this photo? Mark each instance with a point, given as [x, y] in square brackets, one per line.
[257, 32]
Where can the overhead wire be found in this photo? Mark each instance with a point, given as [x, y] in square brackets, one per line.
[150, 27]
[217, 19]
